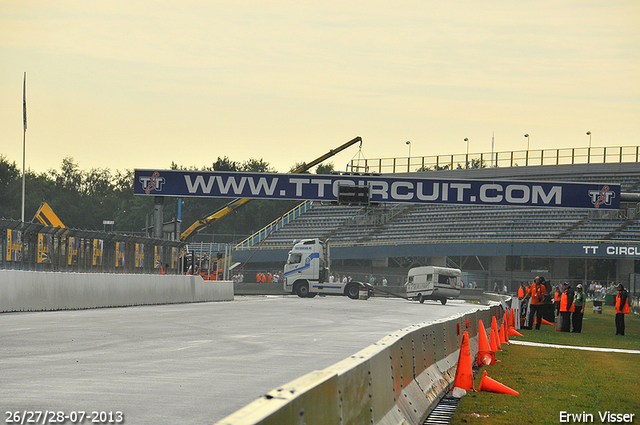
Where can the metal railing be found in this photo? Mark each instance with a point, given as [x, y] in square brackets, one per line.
[261, 234]
[521, 158]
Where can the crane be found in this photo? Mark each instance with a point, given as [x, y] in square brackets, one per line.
[238, 202]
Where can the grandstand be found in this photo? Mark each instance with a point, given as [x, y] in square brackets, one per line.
[434, 232]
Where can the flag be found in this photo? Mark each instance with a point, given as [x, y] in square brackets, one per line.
[24, 101]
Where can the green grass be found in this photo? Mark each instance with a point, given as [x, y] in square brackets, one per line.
[551, 380]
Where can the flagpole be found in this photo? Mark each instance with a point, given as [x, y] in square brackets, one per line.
[24, 138]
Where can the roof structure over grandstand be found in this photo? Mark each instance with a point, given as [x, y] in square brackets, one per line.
[394, 230]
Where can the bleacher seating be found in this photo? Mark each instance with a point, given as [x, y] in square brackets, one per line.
[350, 225]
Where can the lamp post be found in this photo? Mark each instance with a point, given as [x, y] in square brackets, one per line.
[589, 150]
[466, 139]
[589, 134]
[409, 144]
[527, 136]
[409, 157]
[526, 155]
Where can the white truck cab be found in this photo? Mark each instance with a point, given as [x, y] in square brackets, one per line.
[433, 283]
[307, 271]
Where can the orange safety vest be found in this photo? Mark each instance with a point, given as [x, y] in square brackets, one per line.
[564, 301]
[521, 292]
[625, 307]
[557, 296]
[537, 292]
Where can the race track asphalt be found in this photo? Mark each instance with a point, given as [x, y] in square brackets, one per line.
[186, 363]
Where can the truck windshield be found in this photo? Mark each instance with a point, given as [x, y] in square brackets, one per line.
[294, 258]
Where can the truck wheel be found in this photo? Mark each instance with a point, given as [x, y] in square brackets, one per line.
[353, 291]
[420, 298]
[443, 301]
[302, 290]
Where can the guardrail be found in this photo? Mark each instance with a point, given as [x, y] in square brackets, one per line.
[397, 380]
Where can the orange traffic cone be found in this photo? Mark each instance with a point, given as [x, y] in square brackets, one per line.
[494, 328]
[512, 320]
[543, 321]
[513, 332]
[486, 355]
[494, 340]
[503, 338]
[464, 370]
[504, 331]
[491, 385]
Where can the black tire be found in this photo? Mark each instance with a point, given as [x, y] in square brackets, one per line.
[301, 289]
[352, 291]
[420, 298]
[443, 301]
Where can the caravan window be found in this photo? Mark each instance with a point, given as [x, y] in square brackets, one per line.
[294, 258]
[447, 280]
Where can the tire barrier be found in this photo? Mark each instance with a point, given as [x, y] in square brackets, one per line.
[44, 291]
[398, 380]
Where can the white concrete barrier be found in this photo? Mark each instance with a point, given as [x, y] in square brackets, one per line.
[43, 291]
[396, 381]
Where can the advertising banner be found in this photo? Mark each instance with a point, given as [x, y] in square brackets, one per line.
[139, 254]
[381, 189]
[98, 245]
[14, 245]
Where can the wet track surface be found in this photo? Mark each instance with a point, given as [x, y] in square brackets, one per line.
[190, 363]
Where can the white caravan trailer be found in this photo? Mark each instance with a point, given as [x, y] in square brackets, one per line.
[433, 283]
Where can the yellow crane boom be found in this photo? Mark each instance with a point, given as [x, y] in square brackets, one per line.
[46, 216]
[237, 203]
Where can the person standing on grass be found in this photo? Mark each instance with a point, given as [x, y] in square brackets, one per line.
[579, 302]
[536, 293]
[622, 308]
[566, 308]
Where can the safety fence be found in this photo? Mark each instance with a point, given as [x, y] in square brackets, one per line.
[33, 246]
[397, 380]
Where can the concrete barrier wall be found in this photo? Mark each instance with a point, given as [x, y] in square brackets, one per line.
[42, 291]
[397, 380]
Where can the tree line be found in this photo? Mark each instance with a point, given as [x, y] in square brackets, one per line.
[82, 199]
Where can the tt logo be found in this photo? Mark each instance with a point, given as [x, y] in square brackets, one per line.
[154, 182]
[602, 196]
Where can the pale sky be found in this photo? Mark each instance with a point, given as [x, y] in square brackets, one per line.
[139, 84]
